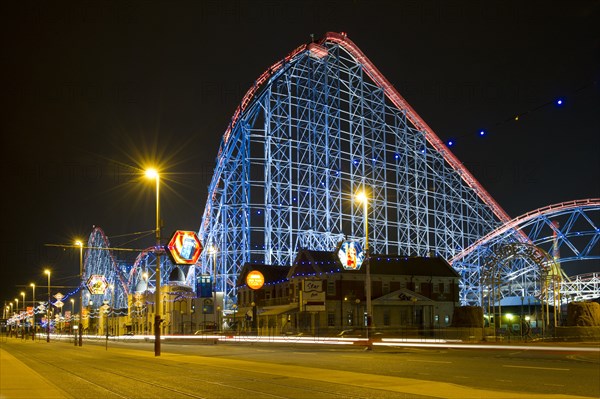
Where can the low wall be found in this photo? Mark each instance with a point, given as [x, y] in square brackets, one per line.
[576, 333]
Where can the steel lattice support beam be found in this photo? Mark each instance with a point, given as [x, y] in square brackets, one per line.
[314, 129]
[569, 230]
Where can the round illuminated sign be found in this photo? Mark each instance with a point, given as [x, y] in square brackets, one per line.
[351, 255]
[255, 279]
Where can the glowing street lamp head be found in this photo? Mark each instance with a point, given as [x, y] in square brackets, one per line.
[47, 271]
[79, 243]
[361, 196]
[152, 173]
[211, 249]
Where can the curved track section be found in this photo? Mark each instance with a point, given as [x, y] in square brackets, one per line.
[315, 128]
[99, 260]
[569, 231]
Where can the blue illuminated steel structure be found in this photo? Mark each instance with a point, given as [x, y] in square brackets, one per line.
[99, 260]
[314, 129]
[569, 231]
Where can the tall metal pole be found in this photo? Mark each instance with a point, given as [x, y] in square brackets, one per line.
[157, 299]
[80, 326]
[367, 258]
[48, 309]
[33, 302]
[362, 196]
[158, 317]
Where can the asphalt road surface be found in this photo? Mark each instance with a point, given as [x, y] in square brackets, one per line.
[193, 370]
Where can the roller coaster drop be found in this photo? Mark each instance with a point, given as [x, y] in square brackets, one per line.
[314, 129]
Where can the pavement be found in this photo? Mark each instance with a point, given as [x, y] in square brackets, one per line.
[17, 380]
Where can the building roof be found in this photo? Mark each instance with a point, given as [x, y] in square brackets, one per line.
[316, 263]
[273, 274]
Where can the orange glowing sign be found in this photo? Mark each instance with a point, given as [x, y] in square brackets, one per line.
[255, 279]
[184, 247]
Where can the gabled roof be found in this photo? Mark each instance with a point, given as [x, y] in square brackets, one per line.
[316, 263]
[402, 295]
[411, 266]
[319, 262]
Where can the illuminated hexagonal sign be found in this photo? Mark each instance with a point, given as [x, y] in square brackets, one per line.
[97, 284]
[351, 255]
[184, 247]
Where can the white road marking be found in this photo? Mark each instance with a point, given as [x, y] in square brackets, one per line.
[427, 361]
[532, 367]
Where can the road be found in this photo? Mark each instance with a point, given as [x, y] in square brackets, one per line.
[130, 370]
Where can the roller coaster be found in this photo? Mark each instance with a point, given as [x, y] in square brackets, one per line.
[320, 125]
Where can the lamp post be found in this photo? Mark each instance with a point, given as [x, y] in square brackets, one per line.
[32, 285]
[212, 250]
[362, 197]
[145, 277]
[72, 324]
[24, 314]
[234, 307]
[153, 174]
[47, 271]
[18, 313]
[80, 326]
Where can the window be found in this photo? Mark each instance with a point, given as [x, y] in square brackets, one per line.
[437, 287]
[417, 286]
[386, 317]
[446, 288]
[331, 319]
[446, 319]
[385, 287]
[331, 287]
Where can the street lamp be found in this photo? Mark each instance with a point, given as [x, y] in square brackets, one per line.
[80, 326]
[153, 174]
[364, 199]
[25, 313]
[234, 307]
[47, 271]
[212, 250]
[32, 285]
[73, 320]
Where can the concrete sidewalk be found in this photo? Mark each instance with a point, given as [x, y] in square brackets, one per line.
[17, 380]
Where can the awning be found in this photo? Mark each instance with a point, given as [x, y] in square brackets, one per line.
[275, 310]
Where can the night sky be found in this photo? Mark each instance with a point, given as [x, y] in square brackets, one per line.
[94, 91]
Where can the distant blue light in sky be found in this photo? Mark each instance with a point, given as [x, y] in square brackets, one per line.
[450, 143]
[482, 132]
[559, 101]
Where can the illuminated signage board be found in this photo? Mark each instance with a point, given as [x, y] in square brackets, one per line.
[184, 247]
[97, 284]
[255, 279]
[351, 255]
